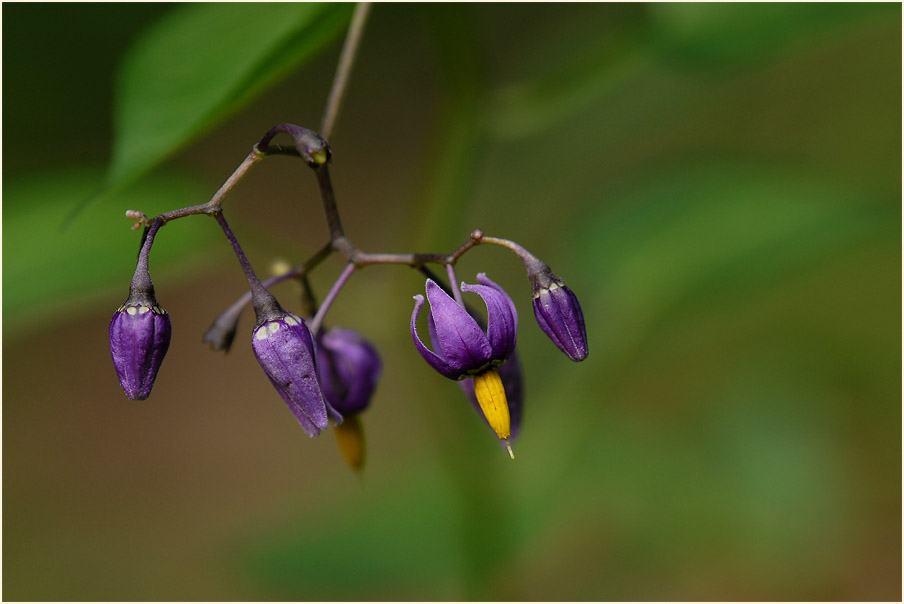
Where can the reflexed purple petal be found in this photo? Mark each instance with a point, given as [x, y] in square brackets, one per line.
[483, 279]
[349, 367]
[139, 339]
[462, 343]
[285, 350]
[433, 359]
[501, 323]
[559, 315]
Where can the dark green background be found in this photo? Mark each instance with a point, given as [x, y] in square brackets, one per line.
[719, 184]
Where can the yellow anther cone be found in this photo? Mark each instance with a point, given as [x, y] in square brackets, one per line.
[350, 437]
[491, 397]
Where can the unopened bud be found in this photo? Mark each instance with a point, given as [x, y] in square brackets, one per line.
[559, 314]
[140, 334]
[285, 350]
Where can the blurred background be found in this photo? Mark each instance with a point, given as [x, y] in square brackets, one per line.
[719, 184]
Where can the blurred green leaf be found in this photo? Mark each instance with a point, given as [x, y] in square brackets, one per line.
[716, 34]
[717, 233]
[47, 271]
[200, 64]
[405, 546]
[549, 99]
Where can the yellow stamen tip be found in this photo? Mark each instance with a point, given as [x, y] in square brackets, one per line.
[319, 157]
[350, 437]
[491, 397]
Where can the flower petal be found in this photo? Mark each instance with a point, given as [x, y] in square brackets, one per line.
[501, 322]
[482, 278]
[433, 359]
[462, 342]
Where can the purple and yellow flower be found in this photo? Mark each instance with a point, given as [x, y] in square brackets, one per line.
[140, 333]
[465, 350]
[285, 350]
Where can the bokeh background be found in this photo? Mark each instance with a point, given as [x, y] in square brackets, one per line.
[719, 184]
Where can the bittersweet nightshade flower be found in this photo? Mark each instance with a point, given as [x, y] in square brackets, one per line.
[140, 334]
[285, 350]
[559, 314]
[349, 367]
[464, 350]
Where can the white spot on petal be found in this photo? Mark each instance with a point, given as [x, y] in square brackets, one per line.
[132, 310]
[143, 309]
[261, 334]
[273, 326]
[290, 320]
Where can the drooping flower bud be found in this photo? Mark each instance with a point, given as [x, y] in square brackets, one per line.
[559, 314]
[285, 350]
[140, 329]
[349, 367]
[140, 334]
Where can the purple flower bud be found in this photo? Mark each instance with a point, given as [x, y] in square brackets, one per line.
[559, 314]
[139, 338]
[463, 348]
[140, 330]
[349, 367]
[284, 348]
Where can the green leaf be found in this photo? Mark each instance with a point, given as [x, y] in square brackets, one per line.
[200, 64]
[47, 271]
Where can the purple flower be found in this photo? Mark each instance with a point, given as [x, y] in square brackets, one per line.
[284, 348]
[464, 350]
[559, 315]
[349, 367]
[139, 338]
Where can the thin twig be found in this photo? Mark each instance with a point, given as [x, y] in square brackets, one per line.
[317, 321]
[346, 62]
